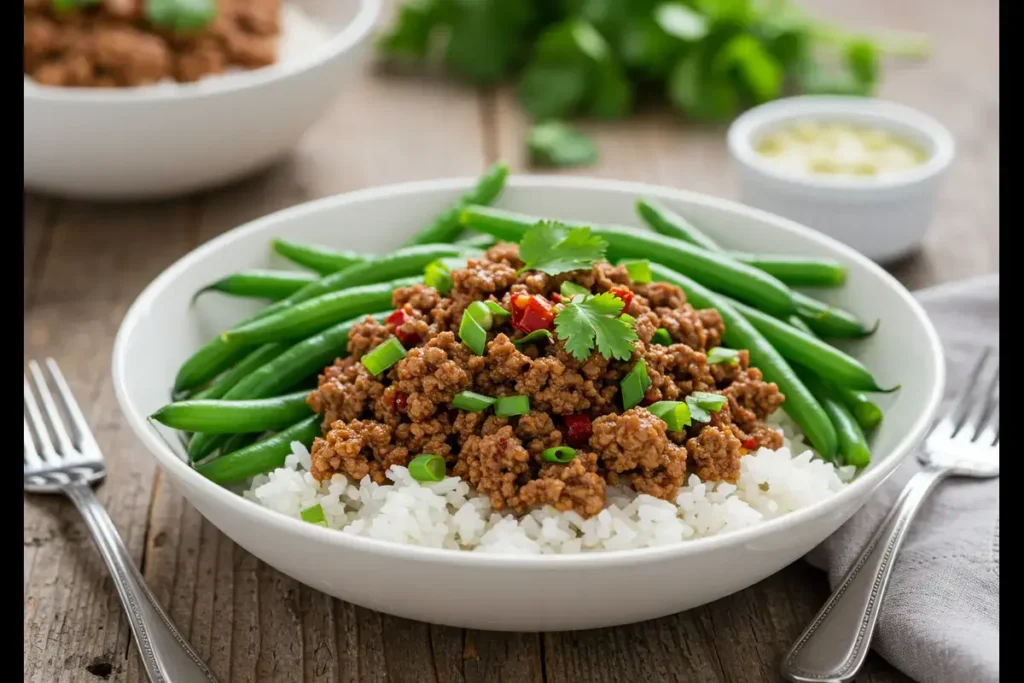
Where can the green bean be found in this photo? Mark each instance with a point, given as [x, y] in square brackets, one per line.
[475, 240]
[827, 361]
[796, 271]
[713, 270]
[852, 445]
[309, 317]
[671, 224]
[261, 456]
[236, 441]
[260, 284]
[257, 358]
[216, 356]
[800, 404]
[234, 417]
[323, 260]
[867, 412]
[446, 227]
[830, 322]
[282, 373]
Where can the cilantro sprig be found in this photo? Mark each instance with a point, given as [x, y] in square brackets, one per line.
[552, 247]
[593, 320]
[709, 58]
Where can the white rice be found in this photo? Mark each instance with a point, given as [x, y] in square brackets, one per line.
[448, 514]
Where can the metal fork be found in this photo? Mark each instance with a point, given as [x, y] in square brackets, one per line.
[62, 457]
[964, 443]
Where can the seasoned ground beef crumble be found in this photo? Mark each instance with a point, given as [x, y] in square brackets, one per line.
[371, 423]
[111, 44]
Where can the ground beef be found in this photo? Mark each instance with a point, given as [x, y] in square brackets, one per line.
[635, 446]
[715, 454]
[371, 423]
[111, 45]
[366, 336]
[675, 372]
[573, 486]
[496, 465]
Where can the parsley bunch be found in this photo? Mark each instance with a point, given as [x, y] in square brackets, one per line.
[709, 58]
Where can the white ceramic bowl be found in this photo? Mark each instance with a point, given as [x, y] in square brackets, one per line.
[883, 218]
[159, 141]
[512, 592]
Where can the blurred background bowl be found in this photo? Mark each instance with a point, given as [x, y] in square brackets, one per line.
[158, 141]
[883, 217]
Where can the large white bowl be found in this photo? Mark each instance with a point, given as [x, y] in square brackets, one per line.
[160, 141]
[535, 593]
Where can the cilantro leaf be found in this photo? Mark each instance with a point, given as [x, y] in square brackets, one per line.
[593, 320]
[557, 144]
[552, 247]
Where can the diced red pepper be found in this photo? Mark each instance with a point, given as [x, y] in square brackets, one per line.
[622, 293]
[556, 297]
[531, 313]
[750, 443]
[578, 430]
[396, 320]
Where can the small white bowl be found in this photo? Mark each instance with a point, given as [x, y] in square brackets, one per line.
[168, 139]
[515, 592]
[882, 217]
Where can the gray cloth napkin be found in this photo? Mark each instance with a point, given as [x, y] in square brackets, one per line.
[940, 619]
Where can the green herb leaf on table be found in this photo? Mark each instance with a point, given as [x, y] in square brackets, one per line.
[555, 143]
[586, 322]
[554, 248]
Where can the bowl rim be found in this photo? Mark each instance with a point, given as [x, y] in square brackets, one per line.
[340, 42]
[277, 522]
[742, 131]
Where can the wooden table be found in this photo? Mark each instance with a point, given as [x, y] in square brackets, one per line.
[85, 263]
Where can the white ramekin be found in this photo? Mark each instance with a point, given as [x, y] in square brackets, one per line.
[884, 218]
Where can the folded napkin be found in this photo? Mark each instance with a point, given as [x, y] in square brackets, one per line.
[940, 619]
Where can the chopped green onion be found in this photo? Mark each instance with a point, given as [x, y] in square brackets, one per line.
[472, 401]
[314, 514]
[472, 334]
[480, 313]
[437, 276]
[427, 468]
[675, 414]
[702, 404]
[662, 337]
[720, 354]
[634, 385]
[561, 454]
[628, 319]
[496, 309]
[507, 406]
[384, 356]
[639, 270]
[534, 336]
[571, 289]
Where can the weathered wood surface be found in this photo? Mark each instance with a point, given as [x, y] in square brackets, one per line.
[85, 263]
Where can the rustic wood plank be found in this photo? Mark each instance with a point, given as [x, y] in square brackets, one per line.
[73, 625]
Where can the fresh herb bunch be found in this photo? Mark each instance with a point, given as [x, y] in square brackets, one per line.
[709, 58]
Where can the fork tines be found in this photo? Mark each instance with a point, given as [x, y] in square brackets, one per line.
[56, 432]
[974, 417]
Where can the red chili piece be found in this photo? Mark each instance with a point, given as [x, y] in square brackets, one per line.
[531, 313]
[750, 443]
[624, 294]
[397, 320]
[578, 430]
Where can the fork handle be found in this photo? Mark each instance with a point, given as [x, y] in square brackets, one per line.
[166, 657]
[834, 646]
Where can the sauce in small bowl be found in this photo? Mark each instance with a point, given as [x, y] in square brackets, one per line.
[839, 148]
